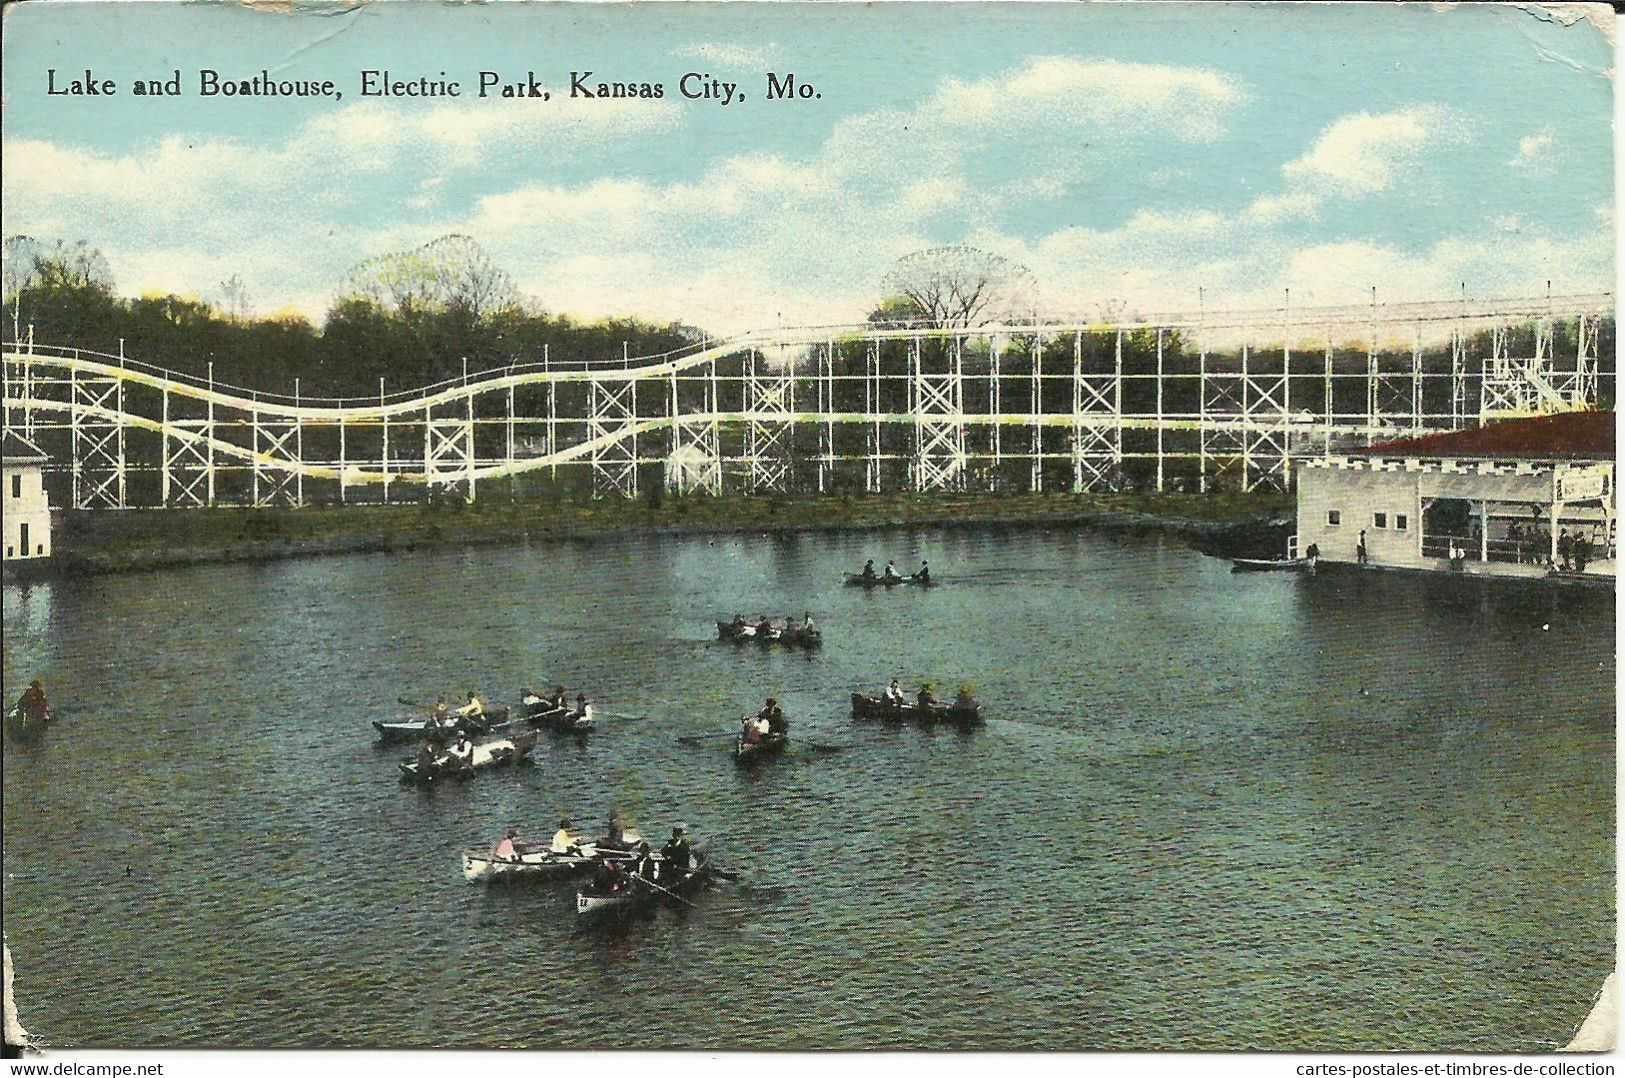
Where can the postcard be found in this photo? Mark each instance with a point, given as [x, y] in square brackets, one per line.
[810, 527]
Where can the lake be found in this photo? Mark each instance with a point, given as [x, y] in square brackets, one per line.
[1206, 811]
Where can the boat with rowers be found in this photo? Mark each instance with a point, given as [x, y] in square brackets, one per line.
[766, 733]
[554, 712]
[1306, 563]
[894, 706]
[647, 881]
[764, 631]
[868, 578]
[443, 728]
[570, 853]
[463, 758]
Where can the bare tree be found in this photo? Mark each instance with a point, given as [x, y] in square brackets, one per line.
[234, 298]
[21, 258]
[451, 273]
[954, 287]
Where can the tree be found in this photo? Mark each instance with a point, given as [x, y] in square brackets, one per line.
[451, 274]
[953, 287]
[73, 267]
[234, 299]
[894, 310]
[21, 258]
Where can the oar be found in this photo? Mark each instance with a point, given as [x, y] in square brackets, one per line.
[664, 890]
[695, 739]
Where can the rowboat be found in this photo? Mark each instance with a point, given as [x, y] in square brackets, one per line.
[799, 637]
[495, 721]
[769, 745]
[878, 707]
[479, 863]
[635, 892]
[564, 720]
[21, 727]
[490, 754]
[1272, 565]
[858, 580]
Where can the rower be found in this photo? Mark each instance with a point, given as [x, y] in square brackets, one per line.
[435, 724]
[807, 623]
[645, 865]
[559, 698]
[927, 697]
[506, 850]
[739, 621]
[474, 709]
[31, 705]
[563, 840]
[764, 626]
[924, 575]
[441, 710]
[676, 852]
[891, 571]
[754, 728]
[426, 757]
[531, 699]
[614, 837]
[773, 716]
[461, 754]
[790, 625]
[610, 877]
[894, 694]
[964, 700]
[583, 708]
[869, 569]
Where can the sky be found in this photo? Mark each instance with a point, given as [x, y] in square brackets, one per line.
[1125, 154]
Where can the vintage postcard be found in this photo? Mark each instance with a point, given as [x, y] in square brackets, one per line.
[790, 526]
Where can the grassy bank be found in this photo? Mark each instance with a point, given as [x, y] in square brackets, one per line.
[100, 542]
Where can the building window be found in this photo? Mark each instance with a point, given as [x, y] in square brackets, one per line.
[1334, 517]
[10, 551]
[17, 485]
[39, 548]
[1379, 520]
[1401, 522]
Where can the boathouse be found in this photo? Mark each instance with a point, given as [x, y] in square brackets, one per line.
[27, 510]
[1523, 497]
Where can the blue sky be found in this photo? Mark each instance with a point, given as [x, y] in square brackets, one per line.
[1131, 152]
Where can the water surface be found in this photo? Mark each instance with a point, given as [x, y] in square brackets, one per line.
[1207, 811]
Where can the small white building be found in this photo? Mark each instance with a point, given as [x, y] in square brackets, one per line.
[27, 511]
[1521, 497]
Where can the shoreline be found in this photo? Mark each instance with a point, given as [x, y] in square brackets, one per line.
[105, 542]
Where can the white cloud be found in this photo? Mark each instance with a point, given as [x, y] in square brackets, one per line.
[728, 54]
[1534, 152]
[1364, 153]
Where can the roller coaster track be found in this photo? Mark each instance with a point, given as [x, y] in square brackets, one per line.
[897, 397]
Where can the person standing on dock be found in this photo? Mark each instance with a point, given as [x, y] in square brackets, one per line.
[1565, 548]
[1359, 549]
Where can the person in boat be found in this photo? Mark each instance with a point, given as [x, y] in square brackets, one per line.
[891, 571]
[427, 754]
[645, 866]
[738, 621]
[611, 878]
[926, 697]
[532, 700]
[583, 707]
[753, 728]
[924, 575]
[461, 753]
[765, 626]
[508, 848]
[869, 569]
[614, 834]
[474, 708]
[790, 628]
[677, 853]
[560, 698]
[32, 705]
[772, 715]
[807, 623]
[563, 839]
[894, 694]
[964, 700]
[435, 724]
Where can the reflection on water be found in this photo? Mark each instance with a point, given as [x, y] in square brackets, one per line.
[1206, 810]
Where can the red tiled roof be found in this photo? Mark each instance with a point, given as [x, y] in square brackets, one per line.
[1566, 436]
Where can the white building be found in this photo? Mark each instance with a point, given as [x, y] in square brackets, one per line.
[1516, 498]
[27, 512]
